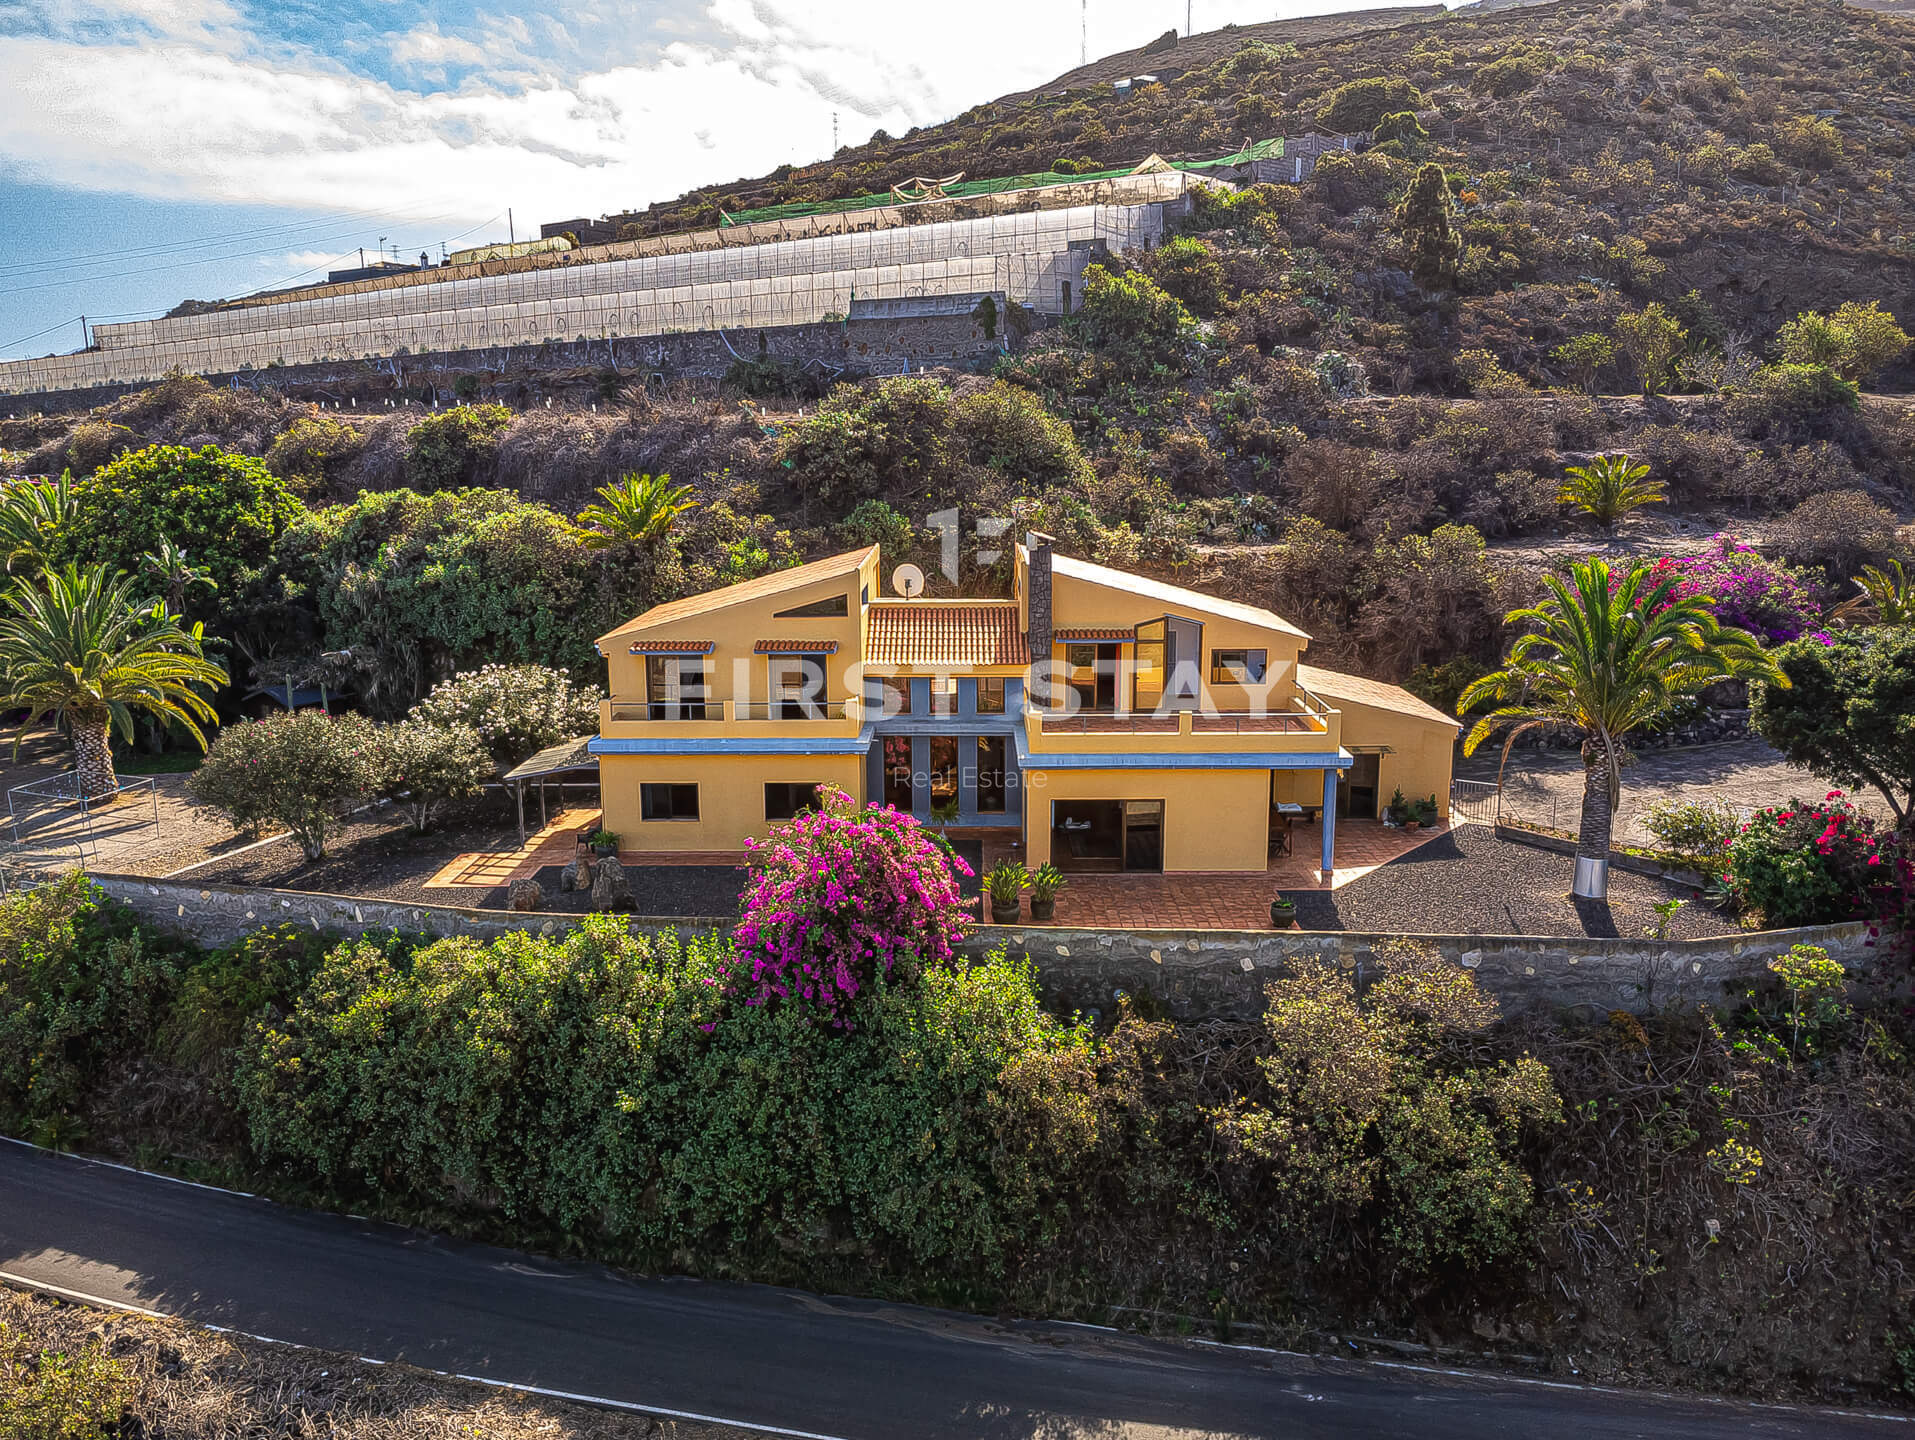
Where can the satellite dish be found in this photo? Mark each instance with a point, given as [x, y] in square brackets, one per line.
[908, 581]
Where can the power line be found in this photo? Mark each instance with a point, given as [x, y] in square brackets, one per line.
[290, 229]
[38, 333]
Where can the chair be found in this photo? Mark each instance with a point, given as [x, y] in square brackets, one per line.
[1280, 837]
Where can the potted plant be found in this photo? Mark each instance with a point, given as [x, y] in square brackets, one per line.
[1006, 883]
[945, 812]
[1283, 913]
[1398, 812]
[1046, 881]
[1426, 811]
[604, 843]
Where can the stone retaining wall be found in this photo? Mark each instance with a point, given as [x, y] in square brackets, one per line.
[1190, 974]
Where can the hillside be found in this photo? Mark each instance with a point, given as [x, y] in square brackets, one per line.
[1273, 404]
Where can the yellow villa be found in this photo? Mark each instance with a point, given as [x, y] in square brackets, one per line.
[1117, 723]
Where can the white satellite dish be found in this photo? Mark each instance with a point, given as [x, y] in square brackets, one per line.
[908, 581]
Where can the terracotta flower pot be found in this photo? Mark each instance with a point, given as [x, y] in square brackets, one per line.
[1043, 911]
[1283, 914]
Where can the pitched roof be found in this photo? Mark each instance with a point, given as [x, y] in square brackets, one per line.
[795, 647]
[933, 632]
[1173, 595]
[1334, 685]
[776, 583]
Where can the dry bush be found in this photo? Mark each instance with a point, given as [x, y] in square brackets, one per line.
[191, 1384]
[1839, 531]
[1698, 465]
[1804, 470]
[380, 463]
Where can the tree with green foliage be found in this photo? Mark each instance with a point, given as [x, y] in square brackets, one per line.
[79, 646]
[1854, 340]
[1844, 711]
[428, 765]
[302, 771]
[1584, 357]
[1006, 428]
[1138, 326]
[635, 510]
[892, 439]
[33, 514]
[1605, 654]
[1653, 340]
[1424, 221]
[1609, 487]
[454, 447]
[225, 510]
[516, 710]
[1361, 104]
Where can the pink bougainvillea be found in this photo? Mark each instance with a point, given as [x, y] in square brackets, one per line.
[840, 896]
[1745, 590]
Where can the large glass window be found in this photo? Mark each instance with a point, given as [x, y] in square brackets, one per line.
[990, 695]
[944, 695]
[1237, 667]
[990, 775]
[897, 695]
[657, 801]
[675, 687]
[944, 777]
[797, 686]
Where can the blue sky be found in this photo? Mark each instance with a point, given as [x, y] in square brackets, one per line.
[155, 150]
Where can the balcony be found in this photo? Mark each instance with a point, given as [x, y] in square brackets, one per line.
[635, 719]
[1310, 726]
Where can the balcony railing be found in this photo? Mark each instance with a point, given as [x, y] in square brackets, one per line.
[1312, 719]
[679, 711]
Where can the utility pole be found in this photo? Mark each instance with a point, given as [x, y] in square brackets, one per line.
[511, 233]
[1083, 33]
[1188, 6]
[86, 342]
[834, 132]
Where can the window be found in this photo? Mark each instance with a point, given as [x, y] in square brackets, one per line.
[990, 695]
[897, 696]
[785, 798]
[831, 605]
[1080, 657]
[797, 687]
[1237, 667]
[675, 687]
[943, 695]
[668, 802]
[990, 775]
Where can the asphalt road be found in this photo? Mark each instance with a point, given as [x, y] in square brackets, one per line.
[780, 1360]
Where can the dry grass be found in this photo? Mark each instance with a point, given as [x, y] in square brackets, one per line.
[191, 1384]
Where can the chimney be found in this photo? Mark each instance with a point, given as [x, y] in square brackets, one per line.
[1038, 602]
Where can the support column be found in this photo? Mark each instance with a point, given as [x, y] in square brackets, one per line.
[1329, 822]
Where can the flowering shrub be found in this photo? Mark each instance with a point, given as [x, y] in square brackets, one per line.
[1762, 596]
[1808, 864]
[839, 897]
[517, 709]
[300, 771]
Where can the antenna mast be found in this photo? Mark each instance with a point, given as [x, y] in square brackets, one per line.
[1083, 34]
[1188, 6]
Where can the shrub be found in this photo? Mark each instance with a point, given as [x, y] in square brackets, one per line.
[1854, 340]
[1801, 864]
[1844, 714]
[450, 449]
[1584, 357]
[1510, 75]
[516, 710]
[55, 1395]
[1402, 127]
[300, 771]
[1838, 531]
[1793, 393]
[313, 450]
[1008, 429]
[1368, 1116]
[1362, 104]
[427, 765]
[1697, 830]
[1745, 590]
[94, 443]
[1425, 220]
[1188, 269]
[1608, 488]
[80, 986]
[838, 899]
[225, 511]
[1653, 340]
[1139, 327]
[1810, 142]
[893, 439]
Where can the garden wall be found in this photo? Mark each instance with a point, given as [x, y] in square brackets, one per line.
[1190, 974]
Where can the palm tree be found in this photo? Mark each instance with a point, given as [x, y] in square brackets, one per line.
[1608, 488]
[638, 509]
[31, 513]
[1887, 598]
[79, 646]
[1605, 654]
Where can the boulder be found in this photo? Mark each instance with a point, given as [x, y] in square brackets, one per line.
[576, 876]
[610, 889]
[527, 895]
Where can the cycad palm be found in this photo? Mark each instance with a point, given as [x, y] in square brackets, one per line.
[78, 645]
[1887, 598]
[1609, 487]
[638, 509]
[1605, 655]
[31, 513]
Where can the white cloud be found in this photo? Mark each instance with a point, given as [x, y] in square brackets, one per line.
[190, 104]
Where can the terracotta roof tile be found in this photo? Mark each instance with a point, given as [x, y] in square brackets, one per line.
[795, 647]
[1106, 633]
[933, 632]
[673, 647]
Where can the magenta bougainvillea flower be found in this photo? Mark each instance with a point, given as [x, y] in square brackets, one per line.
[1746, 590]
[837, 898]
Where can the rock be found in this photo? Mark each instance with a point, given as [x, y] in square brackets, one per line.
[527, 895]
[610, 889]
[576, 876]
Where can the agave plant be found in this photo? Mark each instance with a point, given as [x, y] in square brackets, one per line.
[1609, 487]
[81, 646]
[637, 510]
[1886, 599]
[32, 512]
